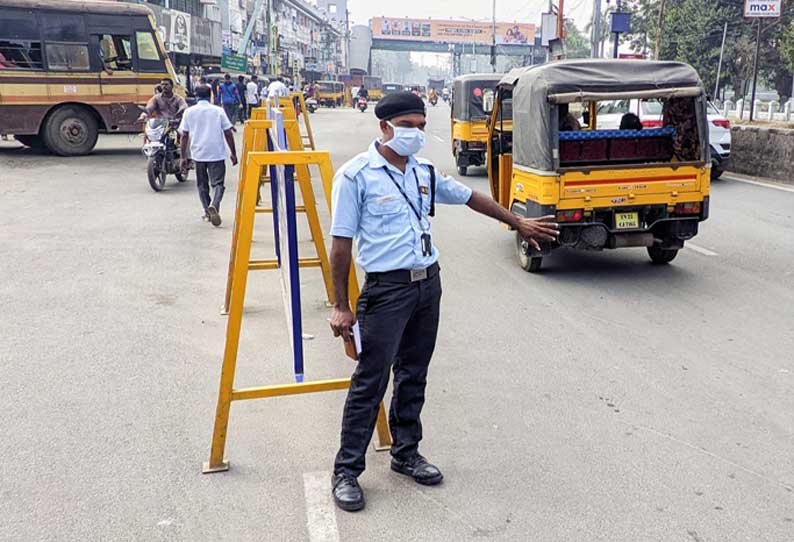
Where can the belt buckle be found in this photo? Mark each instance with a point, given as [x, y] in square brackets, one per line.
[418, 274]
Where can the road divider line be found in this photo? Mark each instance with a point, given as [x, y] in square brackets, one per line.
[320, 509]
[438, 138]
[701, 250]
[759, 183]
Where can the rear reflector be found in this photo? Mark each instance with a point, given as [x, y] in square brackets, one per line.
[692, 208]
[651, 123]
[570, 216]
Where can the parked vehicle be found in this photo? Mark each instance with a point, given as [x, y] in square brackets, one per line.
[374, 86]
[650, 113]
[467, 122]
[391, 88]
[608, 188]
[71, 71]
[362, 104]
[162, 150]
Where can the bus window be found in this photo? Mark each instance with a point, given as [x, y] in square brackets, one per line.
[20, 55]
[115, 52]
[67, 56]
[63, 27]
[149, 59]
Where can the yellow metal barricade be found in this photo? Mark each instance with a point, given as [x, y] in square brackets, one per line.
[255, 165]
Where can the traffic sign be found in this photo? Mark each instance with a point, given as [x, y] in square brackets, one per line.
[234, 62]
[762, 8]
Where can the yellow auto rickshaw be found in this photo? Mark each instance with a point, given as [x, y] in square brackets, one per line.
[645, 184]
[374, 86]
[330, 93]
[467, 120]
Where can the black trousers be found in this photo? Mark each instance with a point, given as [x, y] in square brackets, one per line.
[399, 324]
[211, 173]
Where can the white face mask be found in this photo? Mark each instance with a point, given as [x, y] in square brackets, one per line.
[406, 141]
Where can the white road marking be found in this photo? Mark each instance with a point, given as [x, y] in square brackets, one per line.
[438, 138]
[320, 508]
[701, 250]
[759, 183]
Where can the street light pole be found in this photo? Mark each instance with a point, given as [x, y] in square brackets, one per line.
[596, 39]
[493, 37]
[755, 68]
[719, 65]
[659, 30]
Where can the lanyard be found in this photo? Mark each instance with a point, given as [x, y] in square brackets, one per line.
[418, 191]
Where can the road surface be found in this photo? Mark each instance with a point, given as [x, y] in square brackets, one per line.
[602, 399]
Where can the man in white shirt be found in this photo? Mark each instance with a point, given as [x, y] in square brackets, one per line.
[277, 88]
[252, 94]
[204, 127]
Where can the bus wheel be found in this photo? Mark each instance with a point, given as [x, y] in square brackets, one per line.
[528, 263]
[70, 131]
[662, 256]
[32, 141]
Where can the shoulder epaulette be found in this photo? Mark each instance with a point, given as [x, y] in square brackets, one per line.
[355, 165]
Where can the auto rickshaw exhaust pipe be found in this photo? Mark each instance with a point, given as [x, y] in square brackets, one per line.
[624, 240]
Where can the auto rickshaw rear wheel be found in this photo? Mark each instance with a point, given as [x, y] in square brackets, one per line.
[661, 256]
[530, 264]
[463, 170]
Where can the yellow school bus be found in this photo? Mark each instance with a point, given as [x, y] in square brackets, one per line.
[72, 70]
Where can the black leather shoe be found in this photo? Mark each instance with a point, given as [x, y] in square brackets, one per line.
[419, 469]
[347, 493]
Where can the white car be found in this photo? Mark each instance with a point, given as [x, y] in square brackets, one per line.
[650, 114]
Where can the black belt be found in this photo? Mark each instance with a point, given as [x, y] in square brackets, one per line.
[405, 276]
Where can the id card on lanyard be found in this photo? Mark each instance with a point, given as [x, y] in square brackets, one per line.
[427, 245]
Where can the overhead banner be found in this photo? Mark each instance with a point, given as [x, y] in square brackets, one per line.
[449, 31]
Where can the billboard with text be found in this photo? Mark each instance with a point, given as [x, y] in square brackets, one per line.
[450, 31]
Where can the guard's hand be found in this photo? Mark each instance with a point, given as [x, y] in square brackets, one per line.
[533, 230]
[342, 321]
[233, 158]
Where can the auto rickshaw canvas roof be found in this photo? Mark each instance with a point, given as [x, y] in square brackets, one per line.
[467, 106]
[569, 81]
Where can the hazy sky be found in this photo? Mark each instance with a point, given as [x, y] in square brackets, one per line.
[527, 11]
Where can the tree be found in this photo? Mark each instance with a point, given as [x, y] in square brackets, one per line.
[576, 44]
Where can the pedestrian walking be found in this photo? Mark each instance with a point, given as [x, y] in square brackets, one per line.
[242, 112]
[252, 94]
[384, 198]
[230, 98]
[277, 88]
[204, 128]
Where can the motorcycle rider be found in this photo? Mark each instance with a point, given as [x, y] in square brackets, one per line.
[362, 93]
[433, 97]
[165, 103]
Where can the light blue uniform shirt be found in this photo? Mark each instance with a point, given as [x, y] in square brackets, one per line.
[368, 207]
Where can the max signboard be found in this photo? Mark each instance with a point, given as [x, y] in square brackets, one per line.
[762, 8]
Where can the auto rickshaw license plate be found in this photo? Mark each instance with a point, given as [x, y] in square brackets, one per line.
[627, 221]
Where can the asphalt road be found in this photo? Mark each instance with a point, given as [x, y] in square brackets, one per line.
[602, 399]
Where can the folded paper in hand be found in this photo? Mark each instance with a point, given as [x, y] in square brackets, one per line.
[353, 348]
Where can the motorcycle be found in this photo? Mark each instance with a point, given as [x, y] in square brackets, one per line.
[161, 148]
[362, 104]
[311, 103]
[434, 100]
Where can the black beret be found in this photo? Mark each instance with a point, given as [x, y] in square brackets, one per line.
[399, 103]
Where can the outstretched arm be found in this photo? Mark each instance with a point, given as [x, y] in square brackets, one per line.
[531, 229]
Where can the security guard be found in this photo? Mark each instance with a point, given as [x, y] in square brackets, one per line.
[384, 198]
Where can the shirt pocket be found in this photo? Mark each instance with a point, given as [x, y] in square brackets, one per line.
[387, 214]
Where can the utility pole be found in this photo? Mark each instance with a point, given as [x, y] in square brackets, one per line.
[719, 65]
[560, 21]
[755, 68]
[617, 34]
[493, 37]
[659, 30]
[596, 38]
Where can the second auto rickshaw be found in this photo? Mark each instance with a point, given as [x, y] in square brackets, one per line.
[636, 186]
[469, 132]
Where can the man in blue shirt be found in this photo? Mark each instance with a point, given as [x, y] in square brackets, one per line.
[384, 199]
[230, 98]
